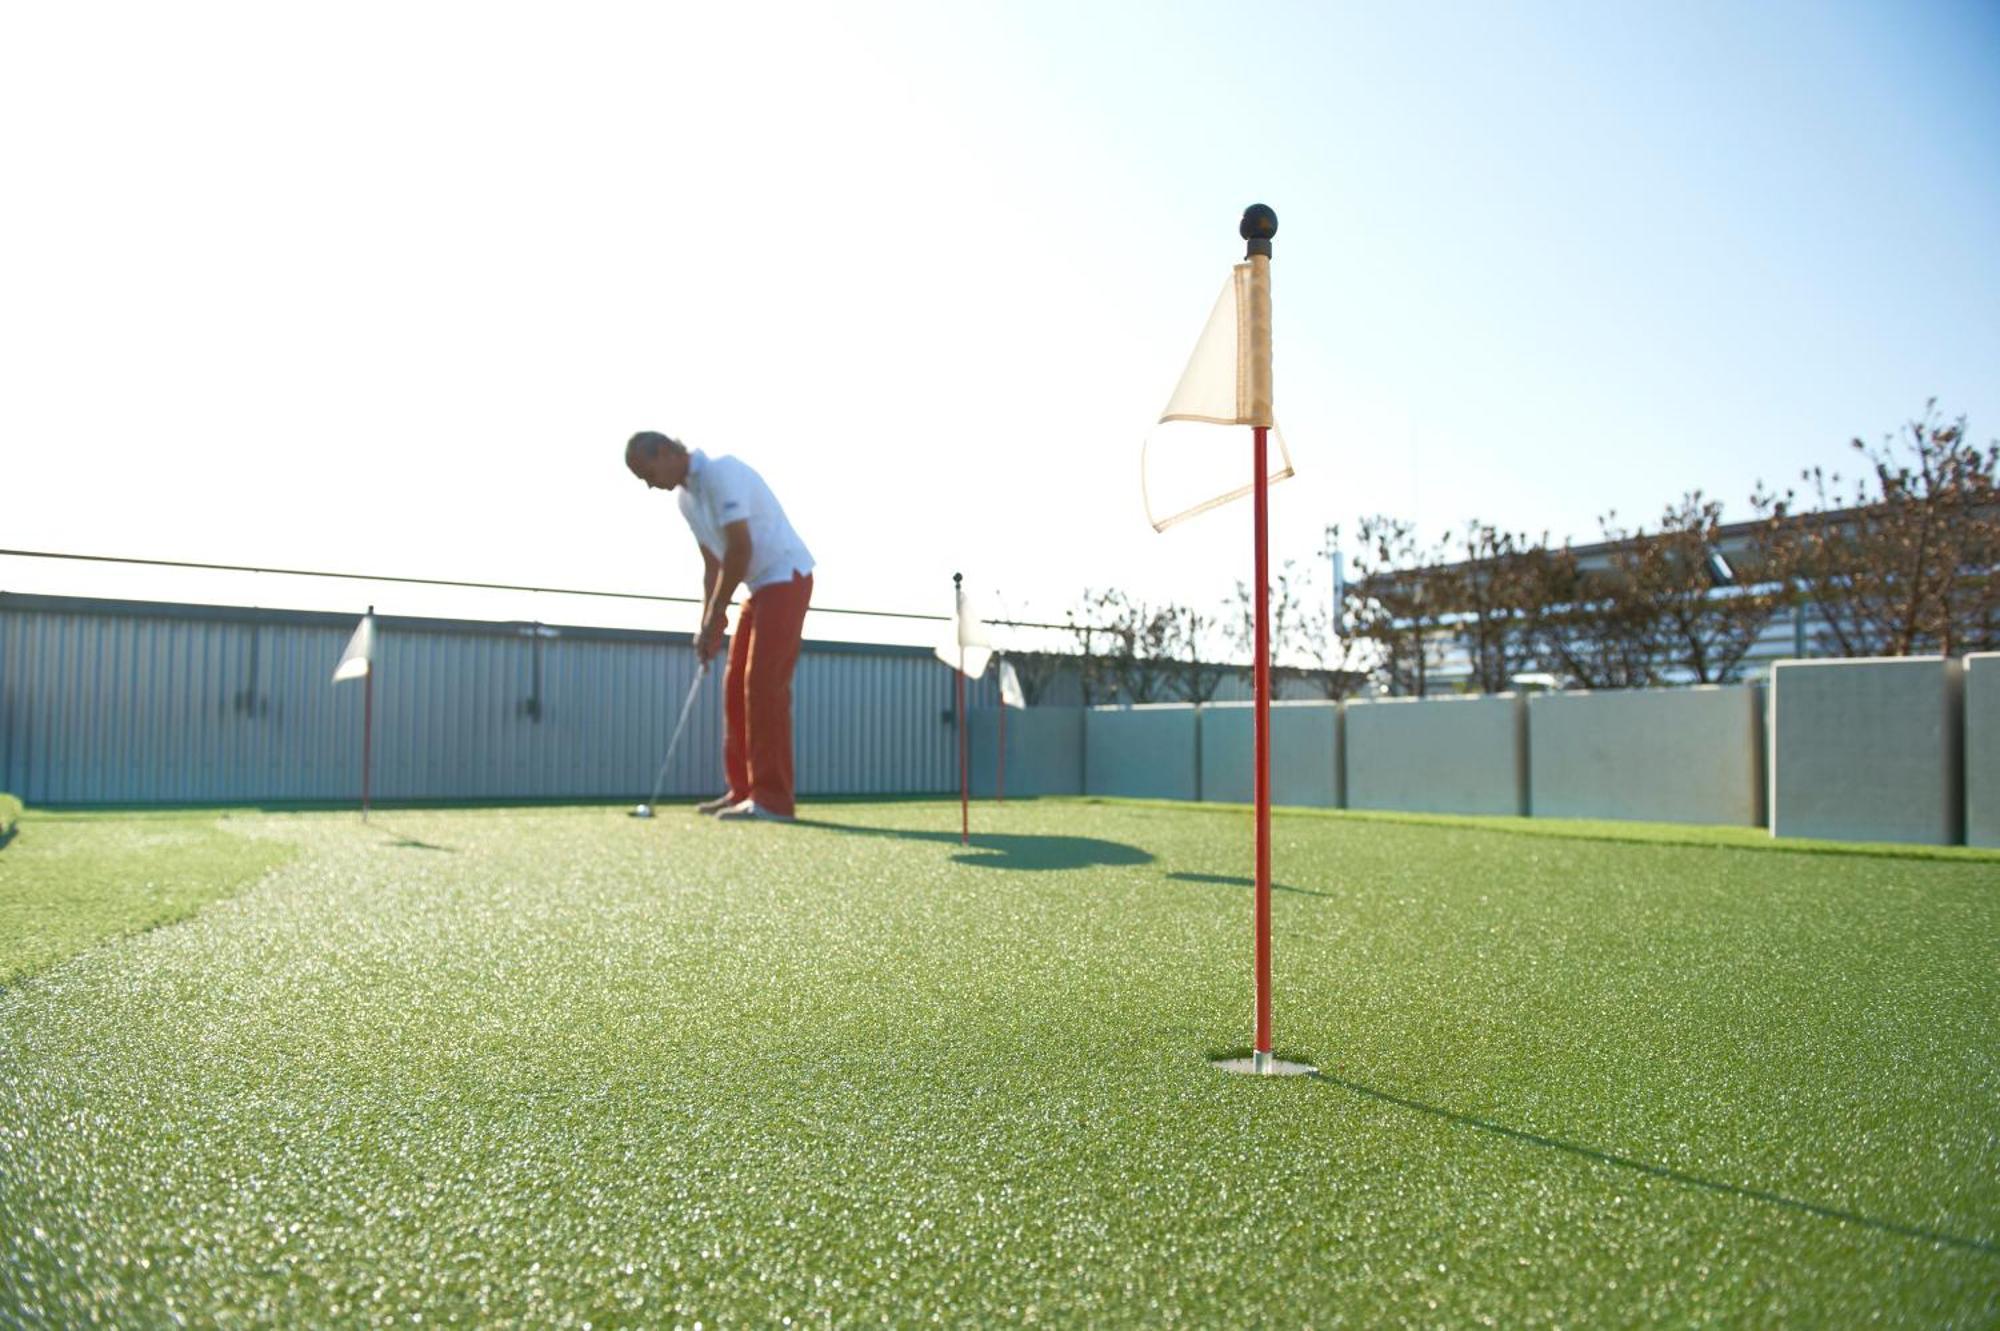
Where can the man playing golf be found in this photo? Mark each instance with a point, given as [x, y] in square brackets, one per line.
[746, 541]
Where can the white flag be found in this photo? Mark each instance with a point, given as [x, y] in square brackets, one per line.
[1010, 687]
[968, 642]
[1227, 382]
[359, 658]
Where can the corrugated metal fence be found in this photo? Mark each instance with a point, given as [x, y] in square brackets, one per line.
[112, 702]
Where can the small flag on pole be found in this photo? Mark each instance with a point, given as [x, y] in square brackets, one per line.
[359, 658]
[1227, 382]
[358, 662]
[1010, 687]
[969, 648]
[968, 652]
[1011, 696]
[1228, 379]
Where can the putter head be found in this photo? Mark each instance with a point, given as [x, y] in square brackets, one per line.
[643, 811]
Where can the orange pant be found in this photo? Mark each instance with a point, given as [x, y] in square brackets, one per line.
[757, 693]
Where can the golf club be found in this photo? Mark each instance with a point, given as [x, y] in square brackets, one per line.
[646, 810]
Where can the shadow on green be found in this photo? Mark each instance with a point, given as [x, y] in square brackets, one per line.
[1982, 1246]
[1002, 850]
[1236, 880]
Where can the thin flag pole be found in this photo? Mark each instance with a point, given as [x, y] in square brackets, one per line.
[964, 789]
[1243, 316]
[367, 724]
[1262, 758]
[1259, 225]
[1000, 778]
[964, 784]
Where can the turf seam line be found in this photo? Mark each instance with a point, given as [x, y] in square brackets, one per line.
[1982, 1246]
[1675, 835]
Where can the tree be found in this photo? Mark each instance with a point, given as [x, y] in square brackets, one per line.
[1037, 668]
[1036, 671]
[1393, 604]
[1126, 643]
[1093, 680]
[1900, 558]
[1305, 638]
[1330, 660]
[1593, 626]
[1494, 592]
[1287, 606]
[1325, 654]
[1708, 614]
[1188, 634]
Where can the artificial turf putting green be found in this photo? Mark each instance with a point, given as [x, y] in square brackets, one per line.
[68, 882]
[562, 1066]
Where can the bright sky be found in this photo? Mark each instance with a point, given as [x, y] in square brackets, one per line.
[384, 287]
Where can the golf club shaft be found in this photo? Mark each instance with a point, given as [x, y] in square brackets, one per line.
[687, 708]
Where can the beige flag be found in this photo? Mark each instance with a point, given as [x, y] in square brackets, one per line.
[1228, 379]
[1227, 382]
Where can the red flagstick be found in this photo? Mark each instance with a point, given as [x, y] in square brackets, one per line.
[964, 786]
[1262, 756]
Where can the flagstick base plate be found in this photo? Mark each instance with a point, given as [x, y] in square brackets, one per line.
[1263, 1065]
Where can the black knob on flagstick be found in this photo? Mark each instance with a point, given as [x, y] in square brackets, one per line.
[1259, 225]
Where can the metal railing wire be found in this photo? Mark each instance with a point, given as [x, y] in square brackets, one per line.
[472, 586]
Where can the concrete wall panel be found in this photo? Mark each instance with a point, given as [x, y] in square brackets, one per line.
[1868, 750]
[1140, 752]
[1044, 751]
[1982, 749]
[1438, 755]
[1302, 753]
[1690, 755]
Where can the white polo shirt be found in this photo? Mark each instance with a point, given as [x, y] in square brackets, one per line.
[719, 491]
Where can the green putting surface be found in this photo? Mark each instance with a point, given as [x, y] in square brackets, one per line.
[561, 1066]
[68, 882]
